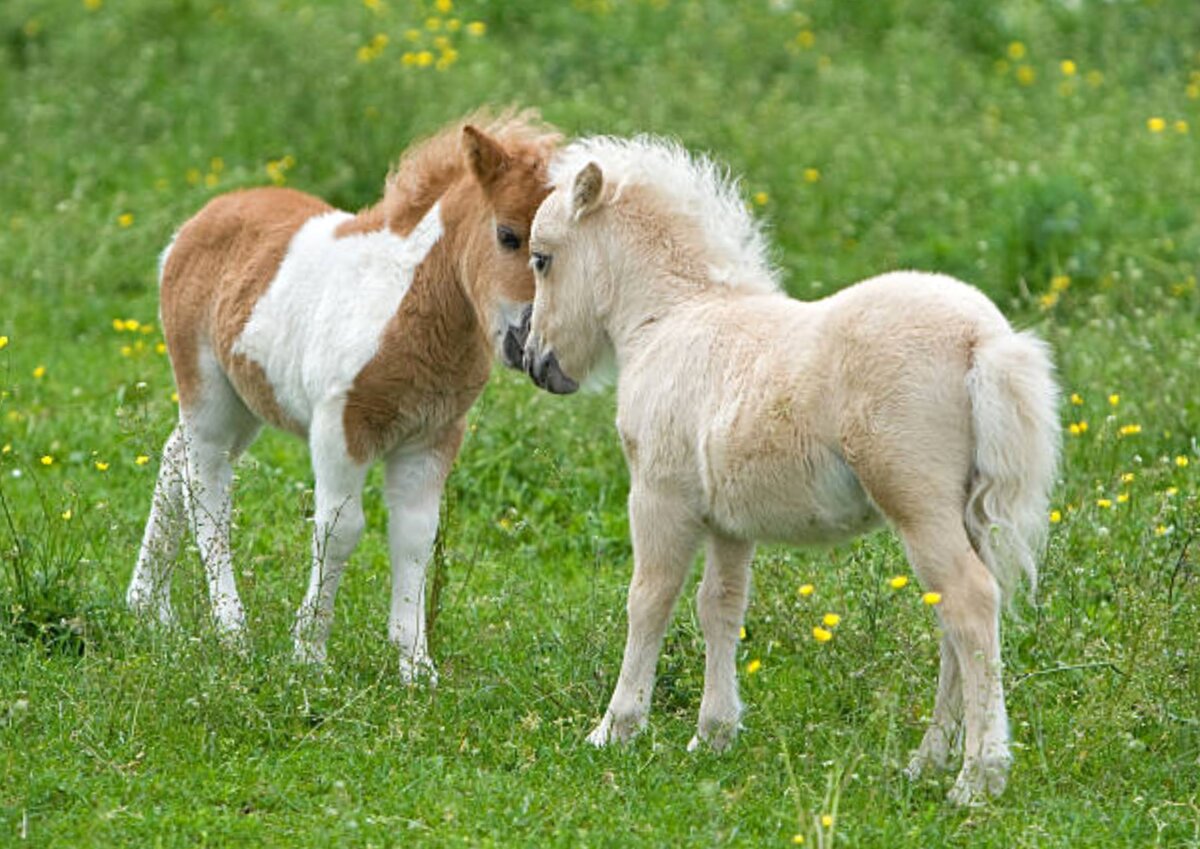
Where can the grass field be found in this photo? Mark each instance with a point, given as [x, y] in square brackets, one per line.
[1045, 151]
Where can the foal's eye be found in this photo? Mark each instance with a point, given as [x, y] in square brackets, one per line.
[541, 262]
[508, 240]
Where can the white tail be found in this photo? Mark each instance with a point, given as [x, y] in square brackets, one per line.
[1014, 408]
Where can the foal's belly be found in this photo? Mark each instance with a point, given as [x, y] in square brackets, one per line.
[814, 499]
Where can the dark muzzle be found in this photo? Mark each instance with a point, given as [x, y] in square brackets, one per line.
[545, 371]
[514, 340]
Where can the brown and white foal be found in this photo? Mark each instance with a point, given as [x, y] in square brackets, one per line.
[368, 335]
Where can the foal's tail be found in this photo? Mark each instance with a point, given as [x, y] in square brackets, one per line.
[1014, 409]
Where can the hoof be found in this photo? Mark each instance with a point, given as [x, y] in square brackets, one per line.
[418, 670]
[614, 729]
[979, 781]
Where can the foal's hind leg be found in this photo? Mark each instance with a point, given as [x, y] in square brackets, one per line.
[150, 587]
[337, 525]
[969, 612]
[944, 734]
[721, 602]
[215, 432]
[665, 536]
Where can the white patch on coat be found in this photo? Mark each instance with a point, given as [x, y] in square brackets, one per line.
[320, 321]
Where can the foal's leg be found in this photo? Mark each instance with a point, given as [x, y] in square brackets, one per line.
[215, 432]
[969, 612]
[665, 536]
[337, 525]
[413, 489]
[150, 588]
[721, 602]
[944, 733]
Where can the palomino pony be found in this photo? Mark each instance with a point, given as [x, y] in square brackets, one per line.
[368, 335]
[746, 415]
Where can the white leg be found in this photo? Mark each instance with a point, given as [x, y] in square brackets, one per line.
[969, 612]
[665, 537]
[721, 603]
[944, 734]
[149, 592]
[337, 525]
[413, 490]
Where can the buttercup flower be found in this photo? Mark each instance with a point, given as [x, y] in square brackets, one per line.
[821, 635]
[806, 590]
[831, 620]
[753, 666]
[932, 598]
[899, 582]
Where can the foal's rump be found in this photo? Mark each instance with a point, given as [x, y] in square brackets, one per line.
[944, 401]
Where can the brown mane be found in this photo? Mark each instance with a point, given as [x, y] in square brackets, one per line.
[431, 166]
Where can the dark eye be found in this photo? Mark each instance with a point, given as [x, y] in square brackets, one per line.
[541, 262]
[508, 240]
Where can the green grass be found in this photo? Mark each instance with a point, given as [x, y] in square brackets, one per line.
[903, 135]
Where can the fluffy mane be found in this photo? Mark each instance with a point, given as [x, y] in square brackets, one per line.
[428, 167]
[692, 187]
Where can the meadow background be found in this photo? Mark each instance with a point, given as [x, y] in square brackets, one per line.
[1045, 151]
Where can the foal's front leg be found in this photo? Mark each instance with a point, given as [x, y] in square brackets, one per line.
[665, 536]
[413, 490]
[337, 525]
[721, 603]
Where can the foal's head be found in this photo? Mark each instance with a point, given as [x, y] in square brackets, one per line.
[631, 227]
[508, 163]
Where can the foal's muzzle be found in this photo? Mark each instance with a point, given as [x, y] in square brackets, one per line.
[544, 370]
[514, 340]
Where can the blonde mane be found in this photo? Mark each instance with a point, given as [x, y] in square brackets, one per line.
[429, 167]
[692, 187]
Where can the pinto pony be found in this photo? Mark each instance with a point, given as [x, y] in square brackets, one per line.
[746, 415]
[368, 335]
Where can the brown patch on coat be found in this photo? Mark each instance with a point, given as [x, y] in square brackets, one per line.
[220, 264]
[435, 353]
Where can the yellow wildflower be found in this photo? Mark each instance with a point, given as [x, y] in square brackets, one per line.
[812, 175]
[932, 598]
[448, 58]
[1160, 530]
[899, 582]
[821, 635]
[66, 515]
[761, 198]
[125, 219]
[831, 620]
[1181, 126]
[453, 25]
[101, 466]
[826, 820]
[433, 24]
[1181, 461]
[443, 6]
[132, 324]
[797, 839]
[92, 5]
[1170, 491]
[753, 666]
[1055, 517]
[160, 347]
[1076, 399]
[1156, 124]
[1123, 497]
[412, 34]
[142, 459]
[1067, 67]
[806, 590]
[1048, 300]
[1114, 399]
[424, 59]
[39, 372]
[1130, 430]
[805, 39]
[47, 460]
[1104, 503]
[3, 342]
[476, 28]
[1127, 477]
[1026, 75]
[175, 397]
[1016, 50]
[7, 448]
[1060, 283]
[126, 351]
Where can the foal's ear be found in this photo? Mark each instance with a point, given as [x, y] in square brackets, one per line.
[484, 154]
[585, 194]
